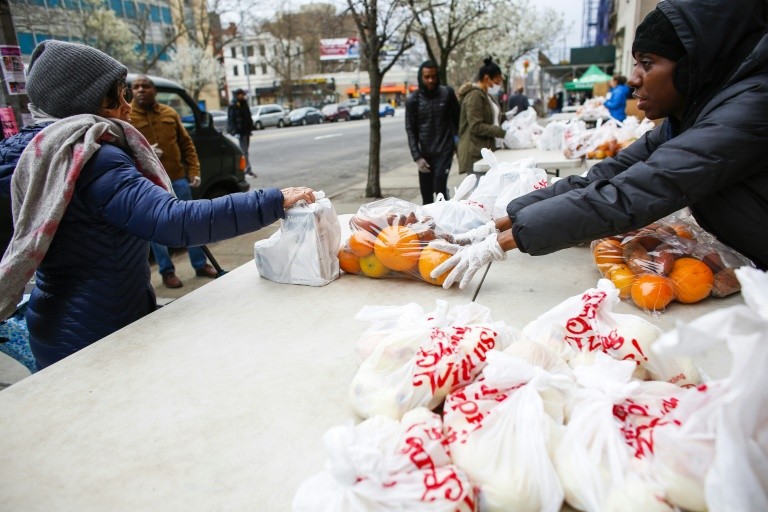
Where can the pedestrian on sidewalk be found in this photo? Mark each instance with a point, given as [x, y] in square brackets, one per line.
[519, 100]
[432, 123]
[616, 101]
[240, 123]
[480, 116]
[89, 187]
[703, 68]
[161, 126]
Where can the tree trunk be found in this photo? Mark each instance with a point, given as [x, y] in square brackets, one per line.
[373, 187]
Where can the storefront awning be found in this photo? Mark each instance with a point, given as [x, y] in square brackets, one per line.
[384, 89]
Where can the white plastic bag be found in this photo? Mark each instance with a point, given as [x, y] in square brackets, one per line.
[455, 216]
[516, 183]
[305, 248]
[404, 372]
[492, 183]
[603, 459]
[385, 465]
[502, 430]
[552, 136]
[717, 457]
[586, 324]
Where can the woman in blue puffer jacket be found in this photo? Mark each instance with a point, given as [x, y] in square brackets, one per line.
[88, 194]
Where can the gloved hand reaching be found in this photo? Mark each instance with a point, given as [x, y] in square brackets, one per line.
[194, 182]
[510, 138]
[422, 164]
[475, 234]
[466, 260]
[157, 150]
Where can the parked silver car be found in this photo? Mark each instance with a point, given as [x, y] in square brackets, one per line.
[219, 119]
[268, 115]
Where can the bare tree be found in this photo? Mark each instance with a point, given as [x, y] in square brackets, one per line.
[148, 52]
[445, 25]
[289, 51]
[385, 29]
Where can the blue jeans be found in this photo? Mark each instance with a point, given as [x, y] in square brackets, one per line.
[196, 254]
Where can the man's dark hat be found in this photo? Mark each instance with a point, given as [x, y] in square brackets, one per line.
[657, 35]
[239, 91]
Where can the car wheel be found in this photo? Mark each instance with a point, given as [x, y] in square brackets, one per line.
[259, 126]
[304, 122]
[280, 123]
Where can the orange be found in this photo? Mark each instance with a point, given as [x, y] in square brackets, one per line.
[652, 292]
[622, 278]
[607, 253]
[398, 248]
[692, 279]
[372, 267]
[349, 261]
[430, 258]
[361, 242]
[682, 231]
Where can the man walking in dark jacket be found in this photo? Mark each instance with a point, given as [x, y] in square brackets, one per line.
[518, 100]
[431, 122]
[240, 123]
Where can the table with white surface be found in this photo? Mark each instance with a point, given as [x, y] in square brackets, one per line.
[217, 401]
[553, 161]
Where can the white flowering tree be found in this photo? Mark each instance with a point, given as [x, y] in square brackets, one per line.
[458, 34]
[193, 68]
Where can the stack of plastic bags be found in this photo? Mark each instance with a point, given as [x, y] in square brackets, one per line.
[586, 406]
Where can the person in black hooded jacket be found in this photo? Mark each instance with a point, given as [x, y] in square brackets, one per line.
[431, 122]
[704, 67]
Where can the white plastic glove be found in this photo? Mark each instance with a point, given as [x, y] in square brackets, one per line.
[194, 182]
[157, 150]
[509, 114]
[466, 260]
[475, 235]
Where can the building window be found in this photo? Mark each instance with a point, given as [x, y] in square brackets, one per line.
[233, 52]
[130, 9]
[26, 42]
[263, 69]
[166, 14]
[235, 71]
[251, 69]
[249, 49]
[154, 13]
[262, 50]
[117, 6]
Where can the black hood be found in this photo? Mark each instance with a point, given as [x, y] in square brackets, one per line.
[725, 41]
[422, 88]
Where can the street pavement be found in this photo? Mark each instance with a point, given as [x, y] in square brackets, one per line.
[401, 182]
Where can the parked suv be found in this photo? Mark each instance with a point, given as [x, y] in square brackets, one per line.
[268, 115]
[335, 112]
[222, 164]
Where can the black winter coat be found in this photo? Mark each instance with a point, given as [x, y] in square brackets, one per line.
[431, 121]
[713, 161]
[239, 120]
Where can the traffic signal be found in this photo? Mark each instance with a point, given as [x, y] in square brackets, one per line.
[526, 63]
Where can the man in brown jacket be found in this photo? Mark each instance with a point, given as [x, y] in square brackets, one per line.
[162, 127]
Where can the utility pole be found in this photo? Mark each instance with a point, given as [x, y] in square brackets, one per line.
[11, 64]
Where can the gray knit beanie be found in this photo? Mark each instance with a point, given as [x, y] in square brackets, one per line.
[66, 79]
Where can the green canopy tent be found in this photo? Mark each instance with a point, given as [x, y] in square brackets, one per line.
[593, 75]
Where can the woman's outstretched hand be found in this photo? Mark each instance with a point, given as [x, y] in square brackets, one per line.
[292, 195]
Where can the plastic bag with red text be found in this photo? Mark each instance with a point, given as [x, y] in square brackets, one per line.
[383, 465]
